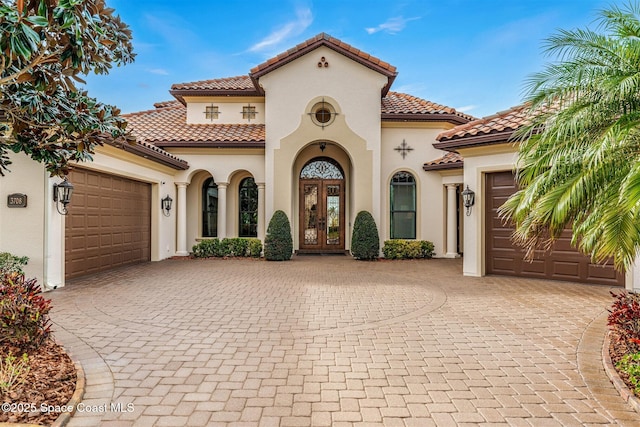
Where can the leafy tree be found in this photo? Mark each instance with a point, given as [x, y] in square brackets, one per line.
[579, 157]
[46, 46]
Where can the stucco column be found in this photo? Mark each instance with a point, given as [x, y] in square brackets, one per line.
[452, 229]
[222, 209]
[261, 213]
[181, 244]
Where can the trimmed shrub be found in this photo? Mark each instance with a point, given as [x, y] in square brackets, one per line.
[24, 314]
[228, 247]
[10, 263]
[278, 244]
[255, 248]
[365, 241]
[407, 249]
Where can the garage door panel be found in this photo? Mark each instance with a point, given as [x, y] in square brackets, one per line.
[563, 262]
[102, 219]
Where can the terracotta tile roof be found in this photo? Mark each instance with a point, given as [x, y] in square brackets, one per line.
[167, 126]
[400, 105]
[494, 129]
[324, 39]
[448, 161]
[227, 83]
[228, 86]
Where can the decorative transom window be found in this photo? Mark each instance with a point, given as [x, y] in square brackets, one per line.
[322, 168]
[211, 112]
[248, 198]
[322, 114]
[403, 206]
[249, 112]
[209, 208]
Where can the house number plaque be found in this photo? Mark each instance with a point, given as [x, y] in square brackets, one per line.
[17, 200]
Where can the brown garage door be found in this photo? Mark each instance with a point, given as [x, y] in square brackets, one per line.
[563, 262]
[108, 225]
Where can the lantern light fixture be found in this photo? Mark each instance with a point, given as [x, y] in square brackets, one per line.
[166, 205]
[62, 195]
[469, 199]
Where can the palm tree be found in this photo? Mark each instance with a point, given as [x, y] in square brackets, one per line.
[579, 157]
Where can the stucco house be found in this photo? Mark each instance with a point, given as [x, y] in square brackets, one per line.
[317, 132]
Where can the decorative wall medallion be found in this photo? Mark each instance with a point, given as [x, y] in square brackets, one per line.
[322, 114]
[323, 63]
[403, 149]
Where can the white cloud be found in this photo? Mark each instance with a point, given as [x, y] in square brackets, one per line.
[303, 20]
[466, 108]
[392, 25]
[159, 71]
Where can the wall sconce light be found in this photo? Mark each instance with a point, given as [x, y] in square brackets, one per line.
[62, 195]
[323, 145]
[469, 199]
[166, 205]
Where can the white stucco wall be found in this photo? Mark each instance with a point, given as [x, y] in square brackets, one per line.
[230, 109]
[22, 230]
[478, 162]
[354, 90]
[430, 190]
[226, 166]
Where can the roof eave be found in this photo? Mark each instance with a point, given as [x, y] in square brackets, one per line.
[179, 94]
[211, 144]
[149, 153]
[421, 117]
[475, 141]
[443, 166]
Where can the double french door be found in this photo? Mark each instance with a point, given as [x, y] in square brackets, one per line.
[322, 227]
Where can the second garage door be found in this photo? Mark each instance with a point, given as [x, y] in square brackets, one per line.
[503, 257]
[109, 223]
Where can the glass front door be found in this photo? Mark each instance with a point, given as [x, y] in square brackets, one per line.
[322, 215]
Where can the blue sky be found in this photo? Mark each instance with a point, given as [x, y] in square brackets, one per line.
[474, 55]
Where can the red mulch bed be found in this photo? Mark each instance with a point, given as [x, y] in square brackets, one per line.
[618, 348]
[51, 381]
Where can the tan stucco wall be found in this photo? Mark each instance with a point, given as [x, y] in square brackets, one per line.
[354, 91]
[230, 109]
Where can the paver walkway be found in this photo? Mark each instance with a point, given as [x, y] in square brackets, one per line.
[328, 341]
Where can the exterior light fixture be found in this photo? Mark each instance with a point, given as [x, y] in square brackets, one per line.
[469, 199]
[166, 205]
[323, 145]
[62, 195]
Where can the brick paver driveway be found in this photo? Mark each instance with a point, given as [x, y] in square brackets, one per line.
[328, 341]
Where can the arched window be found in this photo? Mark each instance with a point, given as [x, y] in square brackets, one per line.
[403, 206]
[209, 208]
[248, 197]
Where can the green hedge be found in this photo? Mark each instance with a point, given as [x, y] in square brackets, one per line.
[234, 246]
[407, 249]
[365, 242]
[278, 244]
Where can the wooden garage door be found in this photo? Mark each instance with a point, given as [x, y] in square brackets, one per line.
[108, 225]
[563, 262]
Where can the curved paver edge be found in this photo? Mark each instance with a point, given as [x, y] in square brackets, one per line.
[620, 385]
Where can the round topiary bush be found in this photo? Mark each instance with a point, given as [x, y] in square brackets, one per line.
[365, 242]
[278, 244]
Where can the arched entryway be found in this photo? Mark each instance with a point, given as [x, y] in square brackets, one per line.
[322, 206]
